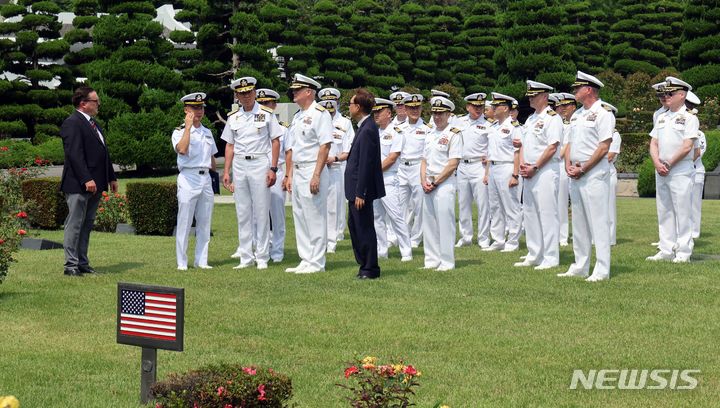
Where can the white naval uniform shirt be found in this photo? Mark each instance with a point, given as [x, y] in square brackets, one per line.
[671, 130]
[589, 127]
[500, 147]
[310, 129]
[475, 136]
[541, 130]
[615, 145]
[250, 132]
[414, 142]
[701, 143]
[440, 147]
[391, 141]
[343, 135]
[202, 147]
[397, 122]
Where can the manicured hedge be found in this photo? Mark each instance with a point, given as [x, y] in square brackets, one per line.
[633, 151]
[152, 207]
[48, 208]
[21, 153]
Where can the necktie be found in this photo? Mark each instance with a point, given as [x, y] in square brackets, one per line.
[94, 126]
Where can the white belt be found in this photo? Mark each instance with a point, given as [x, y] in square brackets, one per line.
[196, 170]
[410, 162]
[496, 162]
[250, 156]
[302, 165]
[473, 160]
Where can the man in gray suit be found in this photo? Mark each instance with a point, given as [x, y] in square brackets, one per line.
[86, 174]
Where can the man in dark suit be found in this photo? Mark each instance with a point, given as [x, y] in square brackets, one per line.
[86, 174]
[363, 184]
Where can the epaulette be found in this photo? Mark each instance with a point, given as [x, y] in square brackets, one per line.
[287, 125]
[551, 112]
[182, 125]
[266, 109]
[320, 108]
[692, 111]
[515, 123]
[429, 125]
[455, 130]
[491, 121]
[398, 129]
[606, 107]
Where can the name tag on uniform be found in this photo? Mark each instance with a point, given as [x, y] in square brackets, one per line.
[506, 131]
[387, 137]
[481, 127]
[420, 132]
[260, 117]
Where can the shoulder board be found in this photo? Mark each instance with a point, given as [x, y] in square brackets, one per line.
[345, 117]
[692, 111]
[607, 108]
[266, 109]
[284, 124]
[398, 129]
[455, 130]
[320, 108]
[515, 123]
[234, 111]
[551, 112]
[429, 125]
[182, 125]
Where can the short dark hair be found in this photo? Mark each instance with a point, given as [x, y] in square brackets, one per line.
[81, 94]
[365, 99]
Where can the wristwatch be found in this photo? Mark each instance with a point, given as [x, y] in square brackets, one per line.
[337, 160]
[535, 168]
[433, 184]
[274, 169]
[516, 176]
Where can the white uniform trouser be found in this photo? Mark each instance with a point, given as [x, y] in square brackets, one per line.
[540, 216]
[336, 203]
[563, 200]
[389, 207]
[612, 203]
[697, 203]
[674, 204]
[309, 212]
[439, 225]
[195, 199]
[277, 217]
[504, 205]
[590, 220]
[343, 208]
[252, 206]
[470, 189]
[411, 196]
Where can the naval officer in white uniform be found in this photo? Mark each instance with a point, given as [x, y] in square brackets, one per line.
[195, 147]
[591, 129]
[309, 139]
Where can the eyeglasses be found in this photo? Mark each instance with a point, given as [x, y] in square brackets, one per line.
[92, 100]
[665, 94]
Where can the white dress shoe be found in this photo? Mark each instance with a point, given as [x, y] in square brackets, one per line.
[496, 246]
[510, 248]
[595, 278]
[331, 249]
[262, 265]
[461, 243]
[655, 244]
[310, 269]
[484, 244]
[573, 273]
[243, 265]
[660, 257]
[443, 268]
[236, 255]
[542, 267]
[277, 260]
[415, 244]
[406, 258]
[431, 266]
[295, 269]
[182, 268]
[203, 266]
[523, 263]
[681, 259]
[563, 243]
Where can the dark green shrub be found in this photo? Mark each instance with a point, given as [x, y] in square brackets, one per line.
[711, 158]
[628, 66]
[49, 208]
[152, 207]
[702, 75]
[51, 150]
[633, 151]
[646, 179]
[224, 385]
[14, 129]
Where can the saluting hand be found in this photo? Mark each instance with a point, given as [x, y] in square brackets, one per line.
[189, 118]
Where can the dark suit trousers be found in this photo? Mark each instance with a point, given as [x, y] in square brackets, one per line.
[364, 239]
[78, 224]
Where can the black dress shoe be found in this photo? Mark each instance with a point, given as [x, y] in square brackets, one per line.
[363, 277]
[86, 269]
[72, 272]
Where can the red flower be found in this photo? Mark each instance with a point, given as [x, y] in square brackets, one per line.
[261, 390]
[2, 241]
[38, 161]
[350, 371]
[228, 406]
[101, 209]
[220, 391]
[21, 214]
[158, 405]
[24, 169]
[250, 370]
[410, 370]
[21, 232]
[4, 149]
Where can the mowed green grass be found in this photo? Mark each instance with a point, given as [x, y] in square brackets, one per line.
[484, 335]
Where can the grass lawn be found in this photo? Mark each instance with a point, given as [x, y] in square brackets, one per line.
[484, 335]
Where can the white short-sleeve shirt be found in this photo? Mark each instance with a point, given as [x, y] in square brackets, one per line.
[671, 129]
[475, 136]
[440, 147]
[702, 144]
[200, 151]
[414, 142]
[588, 128]
[541, 130]
[310, 129]
[251, 132]
[391, 141]
[500, 147]
[343, 135]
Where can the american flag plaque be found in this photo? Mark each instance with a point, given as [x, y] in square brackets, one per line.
[150, 316]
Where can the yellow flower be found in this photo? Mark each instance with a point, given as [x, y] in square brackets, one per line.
[445, 406]
[419, 373]
[9, 402]
[399, 368]
[369, 360]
